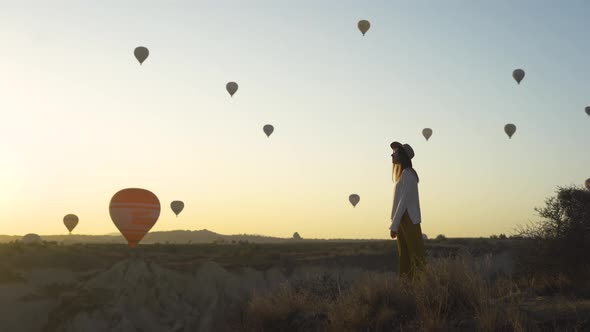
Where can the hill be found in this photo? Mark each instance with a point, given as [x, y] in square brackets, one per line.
[177, 236]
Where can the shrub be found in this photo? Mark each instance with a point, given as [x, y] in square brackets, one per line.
[563, 233]
[440, 237]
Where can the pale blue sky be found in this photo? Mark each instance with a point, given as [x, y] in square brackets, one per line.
[81, 119]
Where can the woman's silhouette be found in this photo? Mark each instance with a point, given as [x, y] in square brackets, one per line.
[405, 213]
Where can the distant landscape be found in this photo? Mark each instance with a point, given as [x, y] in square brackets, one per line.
[176, 237]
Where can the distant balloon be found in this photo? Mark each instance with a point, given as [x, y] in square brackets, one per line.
[587, 183]
[134, 211]
[354, 199]
[427, 132]
[31, 238]
[141, 53]
[71, 220]
[588, 110]
[510, 129]
[177, 207]
[518, 75]
[231, 87]
[364, 26]
[268, 129]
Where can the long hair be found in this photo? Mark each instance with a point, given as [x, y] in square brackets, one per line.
[405, 162]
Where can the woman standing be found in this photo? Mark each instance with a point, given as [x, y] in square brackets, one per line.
[405, 213]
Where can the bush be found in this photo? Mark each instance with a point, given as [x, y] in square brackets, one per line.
[440, 237]
[562, 235]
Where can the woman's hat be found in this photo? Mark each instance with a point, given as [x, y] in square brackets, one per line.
[405, 147]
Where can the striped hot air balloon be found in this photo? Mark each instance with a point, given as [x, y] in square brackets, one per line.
[134, 211]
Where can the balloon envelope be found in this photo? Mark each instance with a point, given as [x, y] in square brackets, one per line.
[510, 129]
[231, 87]
[141, 53]
[354, 199]
[427, 132]
[518, 75]
[587, 183]
[268, 129]
[71, 220]
[134, 211]
[177, 207]
[364, 26]
[588, 110]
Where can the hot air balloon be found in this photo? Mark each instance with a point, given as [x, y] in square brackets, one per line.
[177, 207]
[510, 129]
[587, 183]
[427, 132]
[518, 75]
[31, 238]
[71, 220]
[141, 53]
[134, 211]
[588, 110]
[364, 26]
[231, 87]
[354, 199]
[268, 129]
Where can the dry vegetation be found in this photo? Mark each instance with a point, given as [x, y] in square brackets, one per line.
[457, 293]
[464, 287]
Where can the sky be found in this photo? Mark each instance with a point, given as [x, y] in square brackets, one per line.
[81, 119]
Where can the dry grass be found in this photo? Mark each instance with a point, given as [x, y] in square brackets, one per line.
[459, 293]
[283, 309]
[375, 302]
[456, 293]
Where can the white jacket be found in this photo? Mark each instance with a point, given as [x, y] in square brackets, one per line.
[405, 197]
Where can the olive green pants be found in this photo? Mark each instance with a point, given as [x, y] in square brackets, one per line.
[410, 247]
